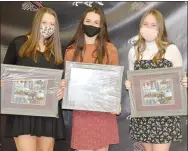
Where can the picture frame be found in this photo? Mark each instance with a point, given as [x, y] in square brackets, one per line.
[29, 91]
[157, 92]
[92, 87]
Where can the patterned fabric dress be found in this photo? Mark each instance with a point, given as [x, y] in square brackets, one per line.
[157, 130]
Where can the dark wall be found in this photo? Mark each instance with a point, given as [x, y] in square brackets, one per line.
[123, 20]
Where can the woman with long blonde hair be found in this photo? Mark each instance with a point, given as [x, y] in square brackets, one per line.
[41, 47]
[151, 51]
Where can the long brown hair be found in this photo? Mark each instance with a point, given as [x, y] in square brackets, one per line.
[53, 44]
[161, 40]
[78, 40]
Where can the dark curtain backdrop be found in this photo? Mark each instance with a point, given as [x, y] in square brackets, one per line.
[123, 19]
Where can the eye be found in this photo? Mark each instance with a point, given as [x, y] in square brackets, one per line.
[43, 22]
[97, 23]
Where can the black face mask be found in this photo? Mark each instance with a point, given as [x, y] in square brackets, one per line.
[91, 31]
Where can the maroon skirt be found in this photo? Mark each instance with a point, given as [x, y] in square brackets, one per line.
[93, 130]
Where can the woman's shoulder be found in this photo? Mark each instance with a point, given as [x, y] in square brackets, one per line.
[171, 46]
[132, 50]
[111, 47]
[20, 40]
[171, 49]
[70, 48]
[69, 52]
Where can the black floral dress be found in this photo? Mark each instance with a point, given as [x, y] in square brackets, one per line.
[156, 130]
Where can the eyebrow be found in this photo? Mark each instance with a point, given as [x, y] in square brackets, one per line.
[48, 21]
[151, 23]
[90, 19]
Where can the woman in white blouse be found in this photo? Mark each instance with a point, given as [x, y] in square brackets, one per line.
[153, 50]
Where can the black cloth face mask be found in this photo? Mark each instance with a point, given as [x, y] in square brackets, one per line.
[91, 31]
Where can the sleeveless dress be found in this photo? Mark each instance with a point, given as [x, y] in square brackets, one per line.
[157, 130]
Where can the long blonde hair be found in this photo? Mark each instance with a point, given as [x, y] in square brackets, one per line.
[161, 40]
[53, 44]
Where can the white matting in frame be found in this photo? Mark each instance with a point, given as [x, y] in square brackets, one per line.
[92, 87]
